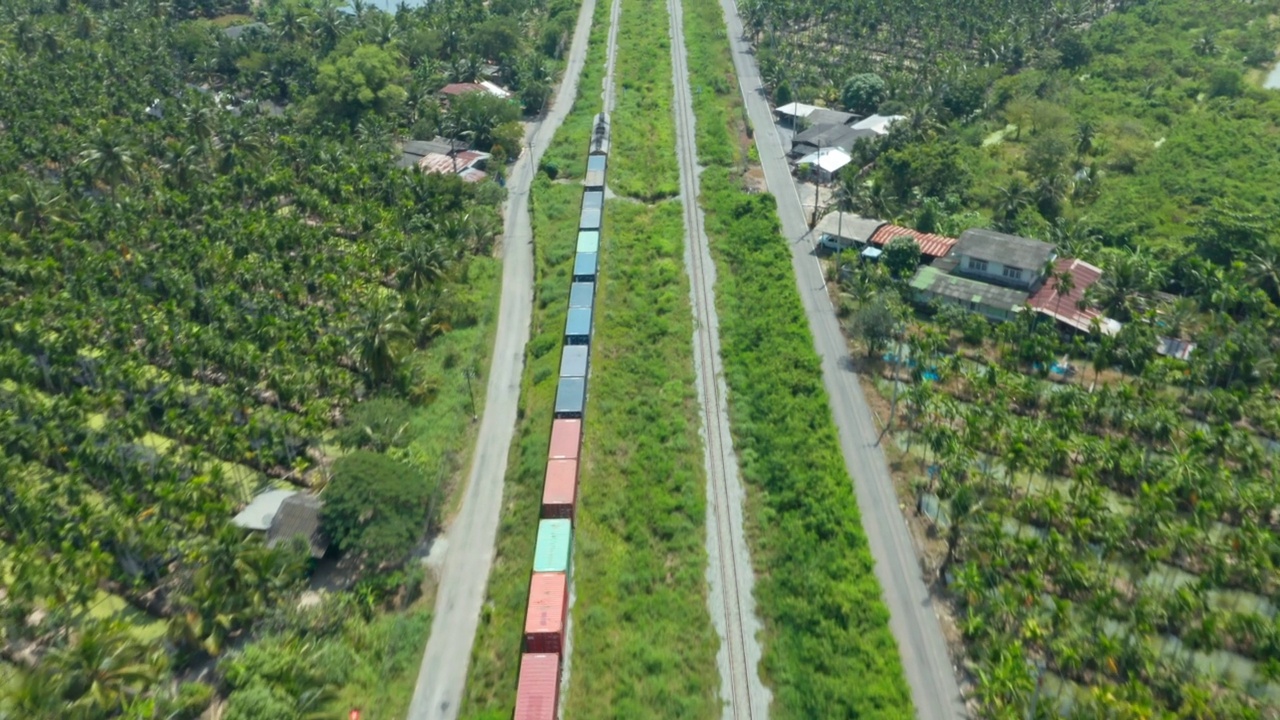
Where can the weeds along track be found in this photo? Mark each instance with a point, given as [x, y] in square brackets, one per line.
[730, 565]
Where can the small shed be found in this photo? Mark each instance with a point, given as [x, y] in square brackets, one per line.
[544, 616]
[595, 172]
[871, 253]
[577, 326]
[262, 510]
[554, 546]
[560, 489]
[571, 397]
[538, 690]
[573, 361]
[582, 295]
[584, 267]
[299, 516]
[566, 438]
[588, 241]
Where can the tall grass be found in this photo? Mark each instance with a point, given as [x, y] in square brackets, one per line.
[642, 158]
[828, 651]
[643, 644]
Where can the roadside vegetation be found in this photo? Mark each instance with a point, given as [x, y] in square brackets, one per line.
[214, 281]
[1118, 526]
[643, 644]
[828, 651]
[642, 161]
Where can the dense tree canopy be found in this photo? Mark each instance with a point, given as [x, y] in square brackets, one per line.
[377, 507]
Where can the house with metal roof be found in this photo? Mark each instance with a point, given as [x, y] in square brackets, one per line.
[996, 302]
[299, 516]
[841, 230]
[1002, 259]
[828, 135]
[931, 246]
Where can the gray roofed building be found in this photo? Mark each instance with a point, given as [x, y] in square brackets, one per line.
[827, 116]
[845, 229]
[236, 31]
[995, 302]
[829, 135]
[299, 516]
[1007, 250]
[262, 510]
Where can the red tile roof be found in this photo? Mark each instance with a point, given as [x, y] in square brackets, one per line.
[935, 246]
[1067, 308]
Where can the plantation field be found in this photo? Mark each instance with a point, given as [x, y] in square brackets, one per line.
[642, 160]
[640, 560]
[828, 651]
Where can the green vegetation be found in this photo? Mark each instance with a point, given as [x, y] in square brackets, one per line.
[640, 560]
[827, 647]
[208, 261]
[376, 507]
[642, 163]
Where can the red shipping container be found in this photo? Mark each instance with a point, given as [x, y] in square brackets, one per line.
[544, 619]
[539, 690]
[566, 437]
[560, 490]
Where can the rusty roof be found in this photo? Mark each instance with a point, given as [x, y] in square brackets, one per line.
[1066, 308]
[931, 245]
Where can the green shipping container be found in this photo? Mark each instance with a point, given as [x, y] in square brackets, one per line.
[555, 540]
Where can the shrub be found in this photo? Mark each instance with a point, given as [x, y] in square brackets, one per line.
[377, 507]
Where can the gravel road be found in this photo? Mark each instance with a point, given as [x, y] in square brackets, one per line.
[729, 572]
[913, 619]
[462, 582]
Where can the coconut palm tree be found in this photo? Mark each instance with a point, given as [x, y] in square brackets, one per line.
[101, 667]
[379, 343]
[108, 160]
[36, 207]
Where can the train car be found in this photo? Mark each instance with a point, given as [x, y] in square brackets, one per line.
[592, 210]
[538, 690]
[573, 361]
[554, 548]
[582, 295]
[585, 266]
[545, 615]
[560, 490]
[600, 134]
[571, 397]
[566, 439]
[577, 326]
[589, 241]
[595, 172]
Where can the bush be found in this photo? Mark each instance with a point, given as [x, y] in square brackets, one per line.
[378, 424]
[377, 507]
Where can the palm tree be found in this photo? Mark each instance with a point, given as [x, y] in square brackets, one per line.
[379, 343]
[35, 207]
[102, 667]
[108, 161]
[1063, 284]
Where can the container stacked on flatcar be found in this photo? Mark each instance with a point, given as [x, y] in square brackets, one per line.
[546, 616]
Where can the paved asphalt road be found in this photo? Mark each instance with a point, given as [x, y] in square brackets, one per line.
[913, 620]
[729, 572]
[461, 590]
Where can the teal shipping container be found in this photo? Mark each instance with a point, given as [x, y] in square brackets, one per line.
[555, 541]
[589, 241]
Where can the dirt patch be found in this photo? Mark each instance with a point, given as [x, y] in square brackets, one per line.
[753, 179]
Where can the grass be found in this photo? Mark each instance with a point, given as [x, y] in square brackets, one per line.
[643, 644]
[828, 651]
[567, 147]
[495, 657]
[642, 157]
[386, 654]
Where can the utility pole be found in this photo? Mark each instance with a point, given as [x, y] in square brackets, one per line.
[470, 394]
[897, 360]
[1035, 699]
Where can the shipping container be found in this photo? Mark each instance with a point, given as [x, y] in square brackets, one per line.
[600, 135]
[538, 693]
[582, 295]
[560, 490]
[588, 241]
[571, 397]
[590, 219]
[555, 543]
[573, 361]
[577, 326]
[544, 617]
[566, 438]
[595, 171]
[584, 267]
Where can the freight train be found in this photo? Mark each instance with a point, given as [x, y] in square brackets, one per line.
[538, 689]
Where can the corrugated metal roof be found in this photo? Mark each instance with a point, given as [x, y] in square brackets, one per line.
[537, 693]
[434, 162]
[262, 510]
[545, 612]
[555, 542]
[561, 485]
[848, 226]
[1066, 308]
[566, 438]
[1008, 250]
[931, 245]
[299, 516]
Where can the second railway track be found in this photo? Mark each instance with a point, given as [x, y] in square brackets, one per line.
[732, 579]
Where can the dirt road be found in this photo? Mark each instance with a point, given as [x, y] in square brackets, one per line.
[462, 582]
[913, 621]
[729, 573]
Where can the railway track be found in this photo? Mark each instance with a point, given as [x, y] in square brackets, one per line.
[731, 574]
